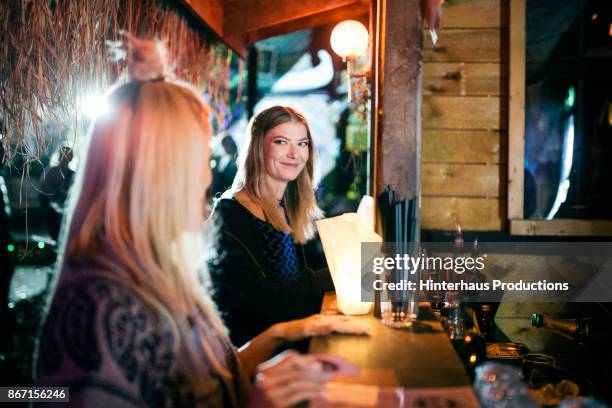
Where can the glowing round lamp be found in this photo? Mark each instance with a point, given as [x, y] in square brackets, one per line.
[349, 39]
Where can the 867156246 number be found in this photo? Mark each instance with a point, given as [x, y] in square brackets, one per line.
[34, 394]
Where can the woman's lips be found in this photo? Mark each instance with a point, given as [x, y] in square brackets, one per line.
[294, 165]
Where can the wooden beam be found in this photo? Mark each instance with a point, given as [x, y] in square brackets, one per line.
[238, 43]
[561, 227]
[397, 97]
[210, 12]
[516, 126]
[357, 11]
[242, 16]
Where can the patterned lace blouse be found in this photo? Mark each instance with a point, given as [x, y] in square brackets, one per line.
[279, 253]
[103, 342]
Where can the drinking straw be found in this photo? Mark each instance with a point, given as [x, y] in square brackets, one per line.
[383, 199]
[397, 221]
[411, 206]
[406, 222]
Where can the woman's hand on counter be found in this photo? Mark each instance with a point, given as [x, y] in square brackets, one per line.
[290, 378]
[318, 325]
[265, 344]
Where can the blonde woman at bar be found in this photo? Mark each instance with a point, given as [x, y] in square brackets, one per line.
[266, 261]
[131, 322]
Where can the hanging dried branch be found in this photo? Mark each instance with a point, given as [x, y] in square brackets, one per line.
[52, 51]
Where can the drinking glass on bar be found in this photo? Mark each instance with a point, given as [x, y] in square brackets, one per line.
[401, 307]
[434, 296]
[500, 385]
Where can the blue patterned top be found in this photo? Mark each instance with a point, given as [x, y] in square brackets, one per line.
[279, 253]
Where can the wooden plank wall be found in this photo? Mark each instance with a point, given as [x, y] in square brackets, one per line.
[464, 118]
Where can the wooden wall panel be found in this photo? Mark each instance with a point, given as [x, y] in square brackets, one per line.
[464, 146]
[475, 112]
[466, 45]
[473, 180]
[474, 214]
[464, 79]
[475, 14]
[464, 119]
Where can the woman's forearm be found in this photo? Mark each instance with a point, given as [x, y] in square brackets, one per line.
[261, 348]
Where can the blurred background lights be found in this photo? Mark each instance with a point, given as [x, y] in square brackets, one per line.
[94, 105]
[571, 98]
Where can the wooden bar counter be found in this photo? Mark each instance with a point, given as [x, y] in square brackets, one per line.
[419, 357]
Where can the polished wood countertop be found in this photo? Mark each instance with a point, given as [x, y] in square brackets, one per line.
[420, 356]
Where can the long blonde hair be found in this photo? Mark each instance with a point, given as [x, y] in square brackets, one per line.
[131, 207]
[299, 198]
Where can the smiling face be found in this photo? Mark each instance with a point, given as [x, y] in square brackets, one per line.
[286, 151]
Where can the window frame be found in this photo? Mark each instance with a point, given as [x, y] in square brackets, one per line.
[518, 225]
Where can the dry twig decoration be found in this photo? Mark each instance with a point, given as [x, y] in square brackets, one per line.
[54, 50]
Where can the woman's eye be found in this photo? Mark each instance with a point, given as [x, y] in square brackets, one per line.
[303, 144]
[280, 142]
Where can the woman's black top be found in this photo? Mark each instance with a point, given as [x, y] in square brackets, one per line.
[279, 252]
[249, 290]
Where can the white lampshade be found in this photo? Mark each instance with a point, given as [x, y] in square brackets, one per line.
[349, 39]
[342, 237]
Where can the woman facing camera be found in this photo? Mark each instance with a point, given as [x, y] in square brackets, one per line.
[266, 270]
[131, 322]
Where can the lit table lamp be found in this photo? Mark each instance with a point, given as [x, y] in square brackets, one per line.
[341, 237]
